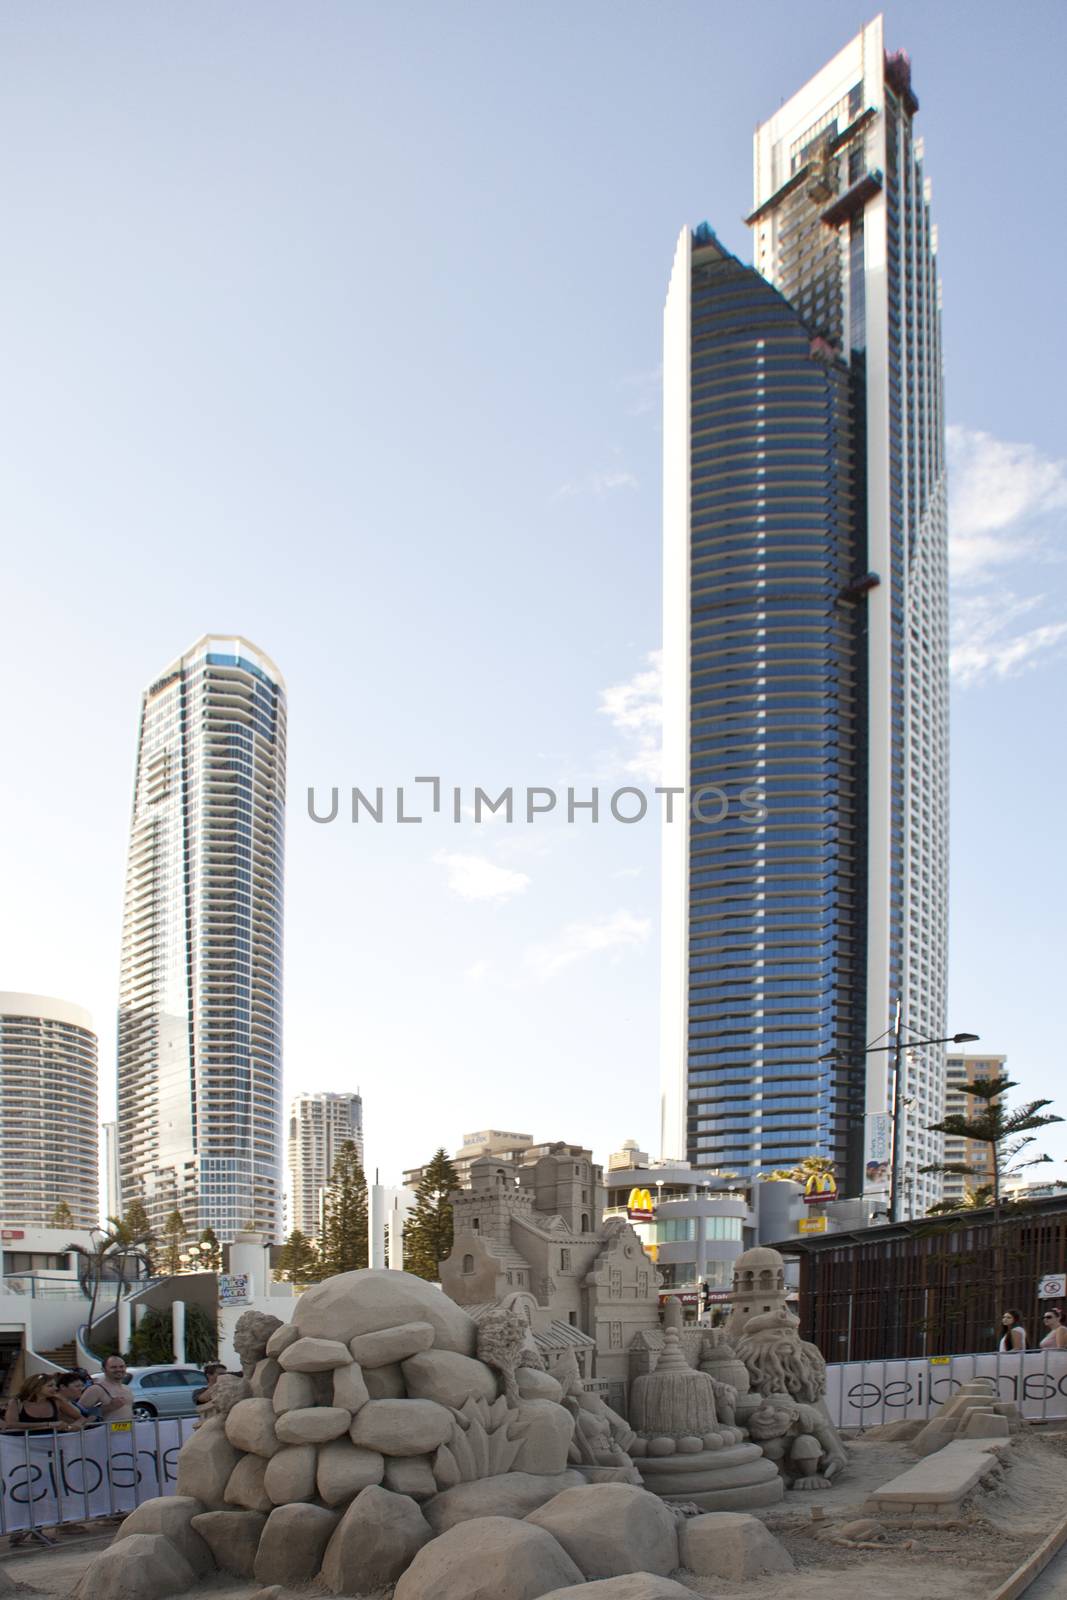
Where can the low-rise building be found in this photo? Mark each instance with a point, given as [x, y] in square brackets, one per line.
[694, 1223]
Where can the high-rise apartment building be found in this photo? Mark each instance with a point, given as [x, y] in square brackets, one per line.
[48, 1127]
[200, 1008]
[961, 1070]
[805, 645]
[319, 1124]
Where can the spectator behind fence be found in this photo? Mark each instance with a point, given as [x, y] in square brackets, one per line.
[110, 1393]
[1014, 1336]
[70, 1386]
[213, 1371]
[1055, 1330]
[36, 1407]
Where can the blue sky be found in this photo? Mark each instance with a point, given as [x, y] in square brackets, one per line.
[339, 326]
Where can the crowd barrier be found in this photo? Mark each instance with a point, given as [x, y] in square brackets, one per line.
[50, 1478]
[863, 1394]
[105, 1471]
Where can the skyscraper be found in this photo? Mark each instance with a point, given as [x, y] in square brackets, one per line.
[319, 1124]
[200, 1009]
[805, 642]
[48, 1130]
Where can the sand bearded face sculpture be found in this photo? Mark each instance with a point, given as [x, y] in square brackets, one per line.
[779, 1360]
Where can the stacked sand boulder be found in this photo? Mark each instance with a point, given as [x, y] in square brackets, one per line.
[366, 1444]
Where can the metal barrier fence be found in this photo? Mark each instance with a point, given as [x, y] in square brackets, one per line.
[863, 1394]
[103, 1471]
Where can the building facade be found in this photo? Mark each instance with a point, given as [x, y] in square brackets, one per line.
[319, 1124]
[200, 1008]
[805, 645]
[961, 1070]
[514, 1148]
[48, 1113]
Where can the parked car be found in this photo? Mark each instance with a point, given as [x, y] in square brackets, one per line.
[164, 1391]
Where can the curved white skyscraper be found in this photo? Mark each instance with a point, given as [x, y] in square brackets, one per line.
[200, 1009]
[48, 1129]
[805, 646]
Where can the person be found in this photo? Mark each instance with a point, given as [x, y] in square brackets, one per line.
[1055, 1330]
[110, 1393]
[70, 1386]
[36, 1407]
[213, 1371]
[1014, 1336]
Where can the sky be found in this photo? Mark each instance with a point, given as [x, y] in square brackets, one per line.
[338, 326]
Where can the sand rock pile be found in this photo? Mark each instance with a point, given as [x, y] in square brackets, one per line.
[358, 1440]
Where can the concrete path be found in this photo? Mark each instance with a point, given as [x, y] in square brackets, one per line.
[1052, 1584]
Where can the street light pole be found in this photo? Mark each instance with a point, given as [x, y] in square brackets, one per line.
[898, 1106]
[898, 1046]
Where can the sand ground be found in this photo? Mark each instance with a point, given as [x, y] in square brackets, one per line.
[994, 1535]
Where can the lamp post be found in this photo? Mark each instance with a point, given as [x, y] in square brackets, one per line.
[898, 1045]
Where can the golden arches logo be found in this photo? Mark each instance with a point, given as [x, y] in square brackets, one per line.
[820, 1187]
[640, 1205]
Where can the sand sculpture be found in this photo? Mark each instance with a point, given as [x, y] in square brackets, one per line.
[374, 1441]
[782, 1405]
[683, 1450]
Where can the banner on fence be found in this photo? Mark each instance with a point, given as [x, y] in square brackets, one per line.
[862, 1394]
[49, 1478]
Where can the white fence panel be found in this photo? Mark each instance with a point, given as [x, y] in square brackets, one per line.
[49, 1478]
[861, 1394]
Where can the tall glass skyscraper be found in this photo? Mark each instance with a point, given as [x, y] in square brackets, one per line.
[805, 643]
[200, 1010]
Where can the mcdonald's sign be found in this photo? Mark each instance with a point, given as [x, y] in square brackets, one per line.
[820, 1187]
[639, 1207]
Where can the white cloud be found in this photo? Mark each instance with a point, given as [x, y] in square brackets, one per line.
[597, 484]
[477, 972]
[475, 878]
[999, 492]
[578, 940]
[985, 644]
[636, 710]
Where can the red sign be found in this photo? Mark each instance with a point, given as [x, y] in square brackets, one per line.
[685, 1297]
[12, 1233]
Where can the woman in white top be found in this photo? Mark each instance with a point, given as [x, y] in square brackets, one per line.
[1014, 1335]
[1055, 1330]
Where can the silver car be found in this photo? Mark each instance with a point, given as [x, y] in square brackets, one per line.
[164, 1391]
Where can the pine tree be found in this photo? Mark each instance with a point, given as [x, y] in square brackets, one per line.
[62, 1216]
[135, 1226]
[428, 1235]
[343, 1246]
[299, 1260]
[210, 1251]
[1005, 1134]
[174, 1233]
[998, 1129]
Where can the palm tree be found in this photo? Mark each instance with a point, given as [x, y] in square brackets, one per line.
[115, 1256]
[970, 1200]
[810, 1167]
